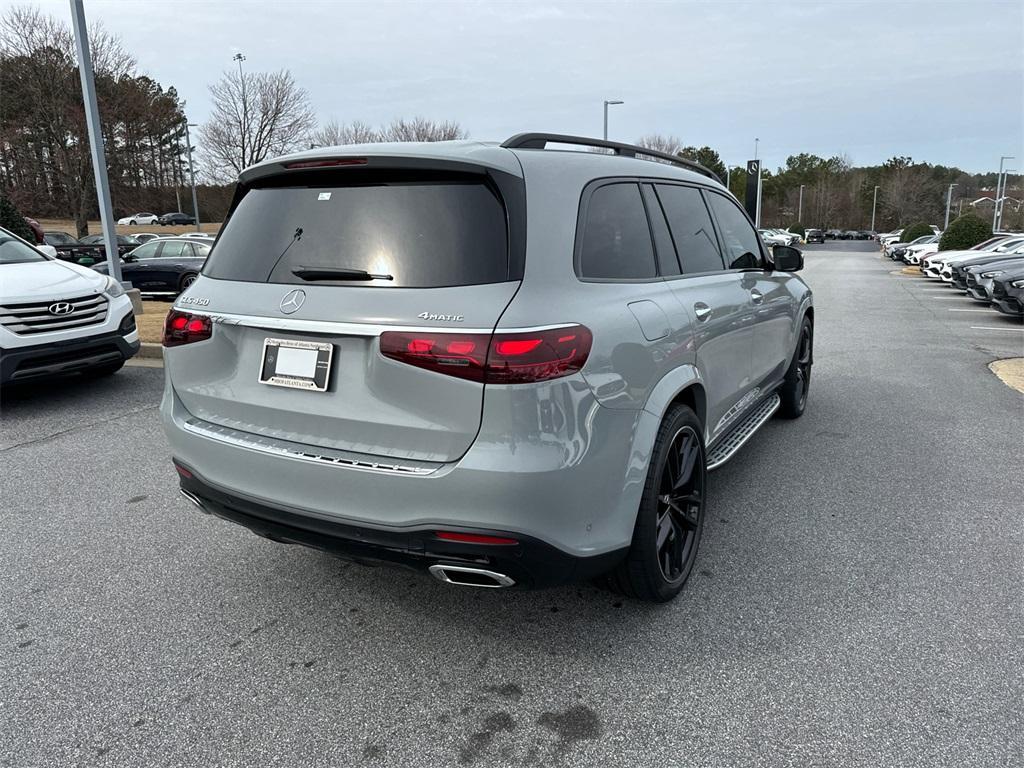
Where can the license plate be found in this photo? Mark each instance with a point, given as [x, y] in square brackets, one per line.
[296, 364]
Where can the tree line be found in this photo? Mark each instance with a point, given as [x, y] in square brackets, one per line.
[838, 195]
[45, 164]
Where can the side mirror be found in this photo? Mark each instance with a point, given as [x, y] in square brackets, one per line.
[786, 258]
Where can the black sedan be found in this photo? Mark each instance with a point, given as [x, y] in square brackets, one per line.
[177, 217]
[125, 243]
[165, 265]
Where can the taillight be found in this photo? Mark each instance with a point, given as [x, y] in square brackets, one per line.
[502, 358]
[185, 328]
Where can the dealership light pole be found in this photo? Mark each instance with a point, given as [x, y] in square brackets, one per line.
[757, 208]
[949, 201]
[608, 103]
[800, 206]
[874, 206]
[999, 181]
[92, 122]
[192, 173]
[1004, 197]
[245, 106]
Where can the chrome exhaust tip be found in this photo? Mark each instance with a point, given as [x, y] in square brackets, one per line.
[194, 499]
[462, 576]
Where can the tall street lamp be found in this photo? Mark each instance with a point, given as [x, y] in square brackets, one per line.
[757, 207]
[874, 205]
[999, 182]
[608, 103]
[239, 57]
[949, 201]
[1004, 197]
[192, 173]
[95, 130]
[800, 206]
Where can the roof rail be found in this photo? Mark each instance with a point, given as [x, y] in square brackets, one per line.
[541, 140]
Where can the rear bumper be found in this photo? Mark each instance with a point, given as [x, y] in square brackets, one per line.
[530, 563]
[68, 356]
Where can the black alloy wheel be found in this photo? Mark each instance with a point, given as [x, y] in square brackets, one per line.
[680, 504]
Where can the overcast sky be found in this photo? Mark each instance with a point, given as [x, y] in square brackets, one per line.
[940, 81]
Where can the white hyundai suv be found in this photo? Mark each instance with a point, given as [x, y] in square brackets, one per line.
[57, 317]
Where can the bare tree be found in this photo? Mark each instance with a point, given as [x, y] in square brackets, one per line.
[334, 134]
[422, 129]
[670, 145]
[255, 115]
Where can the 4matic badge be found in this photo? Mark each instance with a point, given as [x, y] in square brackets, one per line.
[436, 316]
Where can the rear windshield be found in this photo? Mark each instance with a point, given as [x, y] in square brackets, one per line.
[416, 234]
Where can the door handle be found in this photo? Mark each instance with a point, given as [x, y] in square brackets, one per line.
[702, 311]
[756, 296]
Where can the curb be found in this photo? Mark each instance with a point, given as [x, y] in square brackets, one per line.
[152, 351]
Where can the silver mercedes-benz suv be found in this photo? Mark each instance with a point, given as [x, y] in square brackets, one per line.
[506, 365]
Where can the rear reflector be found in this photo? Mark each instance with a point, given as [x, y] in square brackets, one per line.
[501, 358]
[182, 471]
[474, 538]
[185, 328]
[329, 163]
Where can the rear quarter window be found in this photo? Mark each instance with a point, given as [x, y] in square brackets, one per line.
[422, 234]
[616, 238]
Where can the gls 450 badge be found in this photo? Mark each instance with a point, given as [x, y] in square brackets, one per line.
[197, 301]
[435, 316]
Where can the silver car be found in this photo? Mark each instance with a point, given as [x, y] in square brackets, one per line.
[505, 365]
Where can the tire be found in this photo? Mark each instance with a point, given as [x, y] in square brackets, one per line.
[104, 370]
[797, 383]
[132, 223]
[186, 280]
[656, 572]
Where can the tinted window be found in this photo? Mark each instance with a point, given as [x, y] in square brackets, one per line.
[147, 251]
[58, 238]
[423, 234]
[738, 238]
[690, 222]
[201, 249]
[174, 250]
[616, 238]
[668, 264]
[13, 251]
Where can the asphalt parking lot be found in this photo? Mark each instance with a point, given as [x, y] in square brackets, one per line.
[857, 600]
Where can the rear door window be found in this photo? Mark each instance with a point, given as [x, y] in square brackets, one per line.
[175, 250]
[742, 250]
[415, 234]
[148, 251]
[616, 242]
[692, 230]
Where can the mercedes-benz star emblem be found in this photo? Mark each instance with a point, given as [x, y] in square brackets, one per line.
[60, 308]
[292, 301]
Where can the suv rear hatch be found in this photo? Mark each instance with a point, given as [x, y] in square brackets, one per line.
[369, 250]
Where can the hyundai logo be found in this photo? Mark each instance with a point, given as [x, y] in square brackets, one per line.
[292, 301]
[61, 308]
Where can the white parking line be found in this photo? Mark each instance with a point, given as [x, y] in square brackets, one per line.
[988, 328]
[968, 310]
[947, 298]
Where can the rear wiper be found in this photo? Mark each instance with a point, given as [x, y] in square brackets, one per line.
[312, 274]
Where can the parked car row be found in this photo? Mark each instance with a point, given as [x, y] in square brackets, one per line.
[776, 236]
[849, 234]
[914, 251]
[991, 272]
[149, 219]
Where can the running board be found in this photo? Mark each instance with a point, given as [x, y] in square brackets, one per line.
[727, 447]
